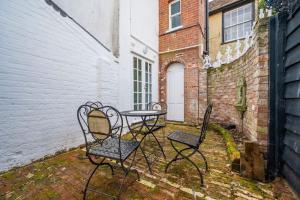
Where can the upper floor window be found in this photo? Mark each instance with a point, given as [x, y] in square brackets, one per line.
[175, 14]
[237, 23]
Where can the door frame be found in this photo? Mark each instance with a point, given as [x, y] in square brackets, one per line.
[143, 62]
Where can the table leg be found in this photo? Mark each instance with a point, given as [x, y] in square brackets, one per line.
[150, 131]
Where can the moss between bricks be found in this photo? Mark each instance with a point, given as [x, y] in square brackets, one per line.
[231, 147]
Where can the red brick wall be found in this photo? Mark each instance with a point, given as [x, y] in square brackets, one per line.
[184, 46]
[222, 83]
[192, 76]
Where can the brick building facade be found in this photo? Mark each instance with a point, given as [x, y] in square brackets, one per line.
[184, 44]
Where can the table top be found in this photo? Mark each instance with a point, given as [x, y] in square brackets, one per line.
[138, 113]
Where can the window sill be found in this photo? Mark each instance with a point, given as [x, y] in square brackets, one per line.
[235, 40]
[174, 29]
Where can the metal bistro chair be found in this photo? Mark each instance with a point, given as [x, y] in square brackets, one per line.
[161, 123]
[192, 142]
[104, 124]
[159, 106]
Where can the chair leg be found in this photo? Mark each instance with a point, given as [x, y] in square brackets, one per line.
[164, 135]
[88, 182]
[206, 166]
[161, 148]
[175, 159]
[188, 159]
[127, 171]
[147, 161]
[199, 172]
[89, 179]
[111, 168]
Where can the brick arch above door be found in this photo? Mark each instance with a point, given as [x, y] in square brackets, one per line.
[163, 76]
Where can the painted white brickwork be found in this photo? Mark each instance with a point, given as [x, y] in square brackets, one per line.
[48, 67]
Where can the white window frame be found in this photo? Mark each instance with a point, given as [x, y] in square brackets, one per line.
[148, 83]
[170, 16]
[138, 83]
[238, 23]
[142, 83]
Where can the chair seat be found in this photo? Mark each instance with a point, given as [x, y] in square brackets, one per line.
[109, 148]
[184, 138]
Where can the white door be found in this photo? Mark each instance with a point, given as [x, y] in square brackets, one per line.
[142, 83]
[175, 92]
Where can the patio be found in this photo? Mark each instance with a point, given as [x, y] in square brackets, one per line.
[63, 176]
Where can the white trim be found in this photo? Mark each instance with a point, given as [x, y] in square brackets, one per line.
[189, 47]
[174, 29]
[170, 16]
[142, 57]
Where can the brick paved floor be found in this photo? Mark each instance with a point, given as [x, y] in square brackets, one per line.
[64, 176]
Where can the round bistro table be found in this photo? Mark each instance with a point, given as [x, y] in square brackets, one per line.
[149, 119]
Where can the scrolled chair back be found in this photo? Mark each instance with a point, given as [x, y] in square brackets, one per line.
[96, 104]
[205, 123]
[158, 106]
[97, 121]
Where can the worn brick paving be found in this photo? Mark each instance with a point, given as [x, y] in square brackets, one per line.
[64, 176]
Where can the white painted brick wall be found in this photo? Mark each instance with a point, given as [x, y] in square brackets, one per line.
[48, 67]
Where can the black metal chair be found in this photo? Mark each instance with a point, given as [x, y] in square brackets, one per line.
[161, 122]
[192, 143]
[104, 124]
[159, 106]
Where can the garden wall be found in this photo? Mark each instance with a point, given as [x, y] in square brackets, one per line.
[222, 88]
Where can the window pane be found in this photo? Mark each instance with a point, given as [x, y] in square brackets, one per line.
[227, 19]
[146, 99]
[176, 21]
[134, 62]
[248, 12]
[140, 86]
[135, 86]
[175, 8]
[135, 98]
[134, 74]
[139, 64]
[140, 76]
[135, 107]
[227, 34]
[241, 31]
[247, 28]
[140, 97]
[240, 15]
[234, 17]
[233, 32]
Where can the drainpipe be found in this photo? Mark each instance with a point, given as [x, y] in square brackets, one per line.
[206, 43]
[206, 28]
[205, 52]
